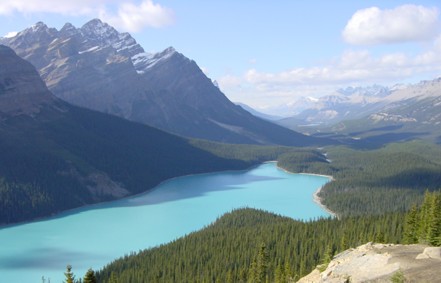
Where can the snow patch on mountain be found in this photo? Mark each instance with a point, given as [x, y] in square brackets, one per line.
[11, 34]
[144, 61]
[387, 117]
[97, 35]
[92, 49]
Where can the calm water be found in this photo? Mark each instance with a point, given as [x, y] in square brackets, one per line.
[93, 236]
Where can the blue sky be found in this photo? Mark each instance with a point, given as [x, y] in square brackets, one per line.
[266, 53]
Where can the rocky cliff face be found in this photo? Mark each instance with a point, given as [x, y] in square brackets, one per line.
[55, 156]
[21, 89]
[380, 263]
[97, 67]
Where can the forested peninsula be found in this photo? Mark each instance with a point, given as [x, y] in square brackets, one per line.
[248, 245]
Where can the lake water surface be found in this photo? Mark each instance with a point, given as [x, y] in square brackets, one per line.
[92, 236]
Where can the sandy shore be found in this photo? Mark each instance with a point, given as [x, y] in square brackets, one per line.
[318, 200]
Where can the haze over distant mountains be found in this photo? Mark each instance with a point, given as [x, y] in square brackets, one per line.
[402, 111]
[99, 68]
[414, 111]
[347, 103]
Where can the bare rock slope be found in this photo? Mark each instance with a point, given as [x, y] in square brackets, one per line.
[99, 68]
[380, 263]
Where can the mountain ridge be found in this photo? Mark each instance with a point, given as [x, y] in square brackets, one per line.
[97, 67]
[397, 113]
[414, 112]
[56, 156]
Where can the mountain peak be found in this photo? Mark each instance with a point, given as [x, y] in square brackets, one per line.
[39, 31]
[145, 61]
[97, 67]
[97, 29]
[39, 26]
[167, 53]
[68, 26]
[68, 30]
[169, 50]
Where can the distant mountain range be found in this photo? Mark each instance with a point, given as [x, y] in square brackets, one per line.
[55, 156]
[410, 112]
[343, 104]
[375, 113]
[97, 67]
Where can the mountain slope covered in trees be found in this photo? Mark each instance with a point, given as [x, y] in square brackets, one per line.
[374, 181]
[247, 245]
[56, 156]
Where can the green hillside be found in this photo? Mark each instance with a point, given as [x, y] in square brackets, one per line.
[60, 160]
[374, 181]
[248, 245]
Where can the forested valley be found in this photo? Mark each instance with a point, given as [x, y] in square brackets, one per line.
[372, 182]
[248, 245]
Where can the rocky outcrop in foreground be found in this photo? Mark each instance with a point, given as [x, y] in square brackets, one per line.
[382, 263]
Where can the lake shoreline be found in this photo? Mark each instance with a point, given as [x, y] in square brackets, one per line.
[70, 211]
[73, 210]
[315, 196]
[318, 201]
[181, 208]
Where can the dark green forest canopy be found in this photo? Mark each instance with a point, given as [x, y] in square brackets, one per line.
[365, 182]
[228, 250]
[249, 245]
[372, 181]
[49, 163]
[423, 223]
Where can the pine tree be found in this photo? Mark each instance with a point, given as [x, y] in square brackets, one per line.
[379, 237]
[70, 277]
[287, 271]
[242, 275]
[411, 226]
[329, 253]
[424, 218]
[279, 275]
[112, 278]
[262, 264]
[230, 276]
[344, 242]
[259, 267]
[90, 277]
[434, 221]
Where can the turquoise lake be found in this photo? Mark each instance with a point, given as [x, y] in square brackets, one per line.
[92, 236]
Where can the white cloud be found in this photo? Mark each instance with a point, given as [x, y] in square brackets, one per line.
[261, 89]
[65, 7]
[401, 24]
[124, 15]
[133, 18]
[229, 81]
